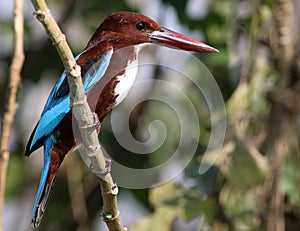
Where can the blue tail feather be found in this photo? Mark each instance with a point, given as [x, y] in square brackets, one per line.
[44, 188]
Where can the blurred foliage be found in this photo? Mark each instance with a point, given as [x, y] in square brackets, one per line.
[171, 201]
[254, 182]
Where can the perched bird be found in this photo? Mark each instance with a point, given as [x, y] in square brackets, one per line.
[107, 76]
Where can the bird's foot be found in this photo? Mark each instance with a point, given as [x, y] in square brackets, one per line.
[97, 123]
[106, 171]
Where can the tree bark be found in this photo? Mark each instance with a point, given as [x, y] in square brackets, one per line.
[11, 98]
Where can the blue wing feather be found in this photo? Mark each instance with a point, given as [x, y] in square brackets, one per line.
[58, 106]
[96, 71]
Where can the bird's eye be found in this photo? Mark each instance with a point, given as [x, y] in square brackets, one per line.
[140, 26]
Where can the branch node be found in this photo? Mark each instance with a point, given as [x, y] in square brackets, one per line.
[114, 190]
[93, 148]
[102, 174]
[79, 102]
[75, 71]
[89, 126]
[40, 15]
[110, 217]
[59, 40]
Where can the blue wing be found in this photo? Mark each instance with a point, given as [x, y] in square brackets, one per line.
[58, 102]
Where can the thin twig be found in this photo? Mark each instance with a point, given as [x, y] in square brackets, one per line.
[11, 94]
[83, 115]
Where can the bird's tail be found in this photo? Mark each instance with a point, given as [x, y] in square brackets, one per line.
[46, 184]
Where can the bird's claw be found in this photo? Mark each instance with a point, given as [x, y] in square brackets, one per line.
[96, 123]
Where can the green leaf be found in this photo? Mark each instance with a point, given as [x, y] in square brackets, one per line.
[195, 205]
[290, 180]
[241, 206]
[169, 194]
[161, 220]
[189, 203]
[247, 168]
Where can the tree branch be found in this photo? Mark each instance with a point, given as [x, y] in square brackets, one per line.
[83, 116]
[282, 117]
[11, 94]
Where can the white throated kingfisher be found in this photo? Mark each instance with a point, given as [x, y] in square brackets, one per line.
[107, 77]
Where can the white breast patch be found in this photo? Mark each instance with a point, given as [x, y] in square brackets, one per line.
[126, 80]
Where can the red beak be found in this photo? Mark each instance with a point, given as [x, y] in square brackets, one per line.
[173, 39]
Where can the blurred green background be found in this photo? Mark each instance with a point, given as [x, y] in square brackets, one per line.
[253, 184]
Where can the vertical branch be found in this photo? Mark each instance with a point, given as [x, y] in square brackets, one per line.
[11, 94]
[282, 117]
[82, 113]
[284, 36]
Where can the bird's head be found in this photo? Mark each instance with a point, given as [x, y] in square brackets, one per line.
[122, 29]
